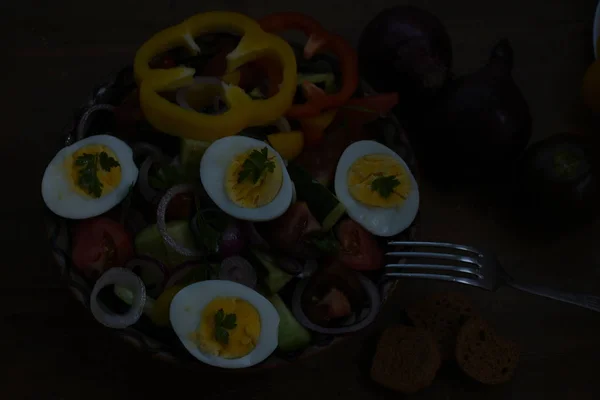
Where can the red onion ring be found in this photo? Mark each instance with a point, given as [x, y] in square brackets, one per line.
[162, 225]
[83, 121]
[152, 272]
[124, 278]
[182, 270]
[148, 192]
[372, 294]
[147, 149]
[254, 238]
[290, 265]
[238, 269]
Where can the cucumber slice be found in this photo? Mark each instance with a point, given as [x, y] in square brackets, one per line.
[323, 204]
[149, 242]
[275, 278]
[191, 154]
[292, 336]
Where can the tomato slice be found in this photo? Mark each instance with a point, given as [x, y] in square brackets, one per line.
[99, 244]
[288, 230]
[358, 248]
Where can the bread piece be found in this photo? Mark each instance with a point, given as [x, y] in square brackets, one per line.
[406, 359]
[483, 355]
[442, 314]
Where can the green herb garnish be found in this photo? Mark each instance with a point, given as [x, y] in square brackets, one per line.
[256, 165]
[325, 243]
[88, 171]
[385, 185]
[223, 323]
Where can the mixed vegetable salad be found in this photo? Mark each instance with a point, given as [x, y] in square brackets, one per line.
[232, 193]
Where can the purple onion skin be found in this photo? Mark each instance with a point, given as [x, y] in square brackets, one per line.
[233, 241]
[407, 50]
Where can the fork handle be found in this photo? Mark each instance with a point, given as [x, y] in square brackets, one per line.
[582, 300]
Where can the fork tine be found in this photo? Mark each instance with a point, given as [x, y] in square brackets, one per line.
[449, 278]
[465, 270]
[436, 244]
[440, 256]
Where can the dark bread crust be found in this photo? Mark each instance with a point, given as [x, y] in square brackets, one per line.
[442, 314]
[407, 359]
[483, 355]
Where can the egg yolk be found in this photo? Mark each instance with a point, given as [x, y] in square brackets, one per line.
[364, 188]
[241, 339]
[249, 194]
[96, 166]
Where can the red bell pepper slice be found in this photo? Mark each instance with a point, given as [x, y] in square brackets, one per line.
[319, 40]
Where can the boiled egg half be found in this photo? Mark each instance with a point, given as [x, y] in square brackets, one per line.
[224, 323]
[89, 177]
[246, 178]
[377, 188]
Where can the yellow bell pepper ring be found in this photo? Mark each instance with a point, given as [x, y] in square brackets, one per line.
[243, 111]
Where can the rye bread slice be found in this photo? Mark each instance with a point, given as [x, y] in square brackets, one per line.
[483, 355]
[442, 314]
[406, 359]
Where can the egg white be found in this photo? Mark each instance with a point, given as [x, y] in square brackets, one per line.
[213, 171]
[186, 312]
[377, 220]
[57, 188]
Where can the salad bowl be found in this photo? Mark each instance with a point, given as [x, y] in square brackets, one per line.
[109, 111]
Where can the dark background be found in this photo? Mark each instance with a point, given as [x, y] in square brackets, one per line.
[56, 51]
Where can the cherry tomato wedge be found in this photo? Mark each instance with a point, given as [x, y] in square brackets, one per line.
[99, 244]
[358, 248]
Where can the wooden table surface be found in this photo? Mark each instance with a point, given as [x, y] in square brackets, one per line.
[52, 349]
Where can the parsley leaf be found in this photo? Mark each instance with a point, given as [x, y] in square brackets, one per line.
[219, 316]
[224, 322]
[229, 322]
[88, 171]
[107, 162]
[88, 174]
[384, 185]
[221, 335]
[256, 165]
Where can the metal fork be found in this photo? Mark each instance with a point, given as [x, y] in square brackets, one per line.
[471, 267]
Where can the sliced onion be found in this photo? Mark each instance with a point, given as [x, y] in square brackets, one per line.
[199, 80]
[162, 225]
[238, 269]
[152, 273]
[83, 121]
[146, 149]
[233, 240]
[374, 306]
[148, 192]
[124, 278]
[310, 267]
[187, 273]
[254, 238]
[290, 265]
[127, 296]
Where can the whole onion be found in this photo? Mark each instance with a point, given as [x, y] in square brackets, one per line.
[481, 125]
[408, 50]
